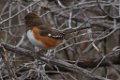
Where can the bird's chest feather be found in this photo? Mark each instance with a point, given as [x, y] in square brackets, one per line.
[32, 39]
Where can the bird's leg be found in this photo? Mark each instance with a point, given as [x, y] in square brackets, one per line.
[37, 49]
[39, 52]
[51, 53]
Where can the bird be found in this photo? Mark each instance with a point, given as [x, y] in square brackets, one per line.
[40, 33]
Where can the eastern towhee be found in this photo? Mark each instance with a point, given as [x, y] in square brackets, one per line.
[41, 33]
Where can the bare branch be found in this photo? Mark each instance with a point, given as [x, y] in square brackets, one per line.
[57, 62]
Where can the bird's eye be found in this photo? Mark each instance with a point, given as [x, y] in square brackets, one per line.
[49, 35]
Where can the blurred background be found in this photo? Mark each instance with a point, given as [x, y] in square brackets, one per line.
[87, 48]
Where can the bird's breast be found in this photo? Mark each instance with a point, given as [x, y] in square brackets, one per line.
[32, 39]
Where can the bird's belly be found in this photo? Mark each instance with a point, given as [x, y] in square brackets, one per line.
[33, 40]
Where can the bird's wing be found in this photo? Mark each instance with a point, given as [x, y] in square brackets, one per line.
[53, 34]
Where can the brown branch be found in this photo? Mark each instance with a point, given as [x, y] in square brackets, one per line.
[93, 62]
[57, 62]
[18, 50]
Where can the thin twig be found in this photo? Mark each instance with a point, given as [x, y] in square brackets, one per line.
[6, 60]
[36, 2]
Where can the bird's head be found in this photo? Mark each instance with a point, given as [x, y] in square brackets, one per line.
[32, 19]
